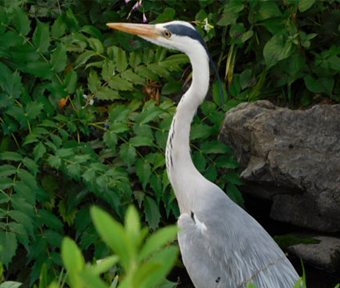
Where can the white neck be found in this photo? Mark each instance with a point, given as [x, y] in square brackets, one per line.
[180, 168]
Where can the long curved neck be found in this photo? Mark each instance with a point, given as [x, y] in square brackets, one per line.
[181, 170]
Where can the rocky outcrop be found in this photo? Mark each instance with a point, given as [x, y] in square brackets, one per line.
[291, 157]
[324, 255]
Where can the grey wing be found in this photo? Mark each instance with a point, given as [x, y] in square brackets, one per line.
[203, 271]
[231, 251]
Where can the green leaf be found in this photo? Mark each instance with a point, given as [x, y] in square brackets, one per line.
[138, 141]
[49, 219]
[114, 235]
[7, 170]
[41, 36]
[10, 284]
[39, 151]
[225, 161]
[39, 68]
[108, 69]
[304, 5]
[128, 154]
[83, 58]
[91, 280]
[235, 195]
[132, 225]
[104, 265]
[143, 171]
[110, 139]
[96, 45]
[251, 285]
[276, 49]
[149, 114]
[268, 9]
[9, 242]
[23, 219]
[58, 28]
[54, 161]
[157, 241]
[152, 213]
[59, 59]
[43, 279]
[215, 147]
[33, 109]
[167, 15]
[94, 82]
[320, 85]
[71, 79]
[10, 156]
[201, 131]
[73, 260]
[21, 21]
[132, 77]
[119, 58]
[118, 83]
[105, 93]
[31, 165]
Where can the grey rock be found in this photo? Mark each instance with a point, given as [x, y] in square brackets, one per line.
[324, 255]
[291, 157]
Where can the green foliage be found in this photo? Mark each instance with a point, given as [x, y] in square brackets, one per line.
[60, 152]
[285, 241]
[146, 262]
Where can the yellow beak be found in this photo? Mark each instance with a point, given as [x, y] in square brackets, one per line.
[145, 30]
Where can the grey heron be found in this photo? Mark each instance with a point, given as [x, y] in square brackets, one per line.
[222, 246]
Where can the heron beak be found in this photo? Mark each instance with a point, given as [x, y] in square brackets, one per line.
[144, 30]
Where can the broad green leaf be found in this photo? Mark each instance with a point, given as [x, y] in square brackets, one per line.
[94, 82]
[93, 31]
[49, 219]
[132, 225]
[10, 156]
[43, 279]
[135, 59]
[119, 113]
[320, 85]
[59, 59]
[58, 28]
[133, 77]
[41, 36]
[152, 213]
[268, 9]
[39, 68]
[225, 161]
[149, 114]
[119, 57]
[114, 235]
[143, 171]
[105, 93]
[235, 195]
[120, 84]
[146, 73]
[10, 284]
[73, 260]
[157, 241]
[9, 242]
[304, 5]
[153, 277]
[23, 219]
[199, 160]
[128, 154]
[104, 265]
[251, 285]
[33, 109]
[96, 45]
[277, 49]
[54, 161]
[334, 63]
[167, 15]
[92, 280]
[39, 151]
[108, 69]
[215, 147]
[138, 141]
[12, 84]
[7, 170]
[21, 21]
[110, 140]
[201, 131]
[71, 79]
[83, 58]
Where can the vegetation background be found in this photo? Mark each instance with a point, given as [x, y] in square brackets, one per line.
[85, 113]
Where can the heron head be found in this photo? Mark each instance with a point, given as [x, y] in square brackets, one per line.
[177, 35]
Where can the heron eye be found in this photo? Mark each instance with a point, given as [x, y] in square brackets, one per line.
[167, 34]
